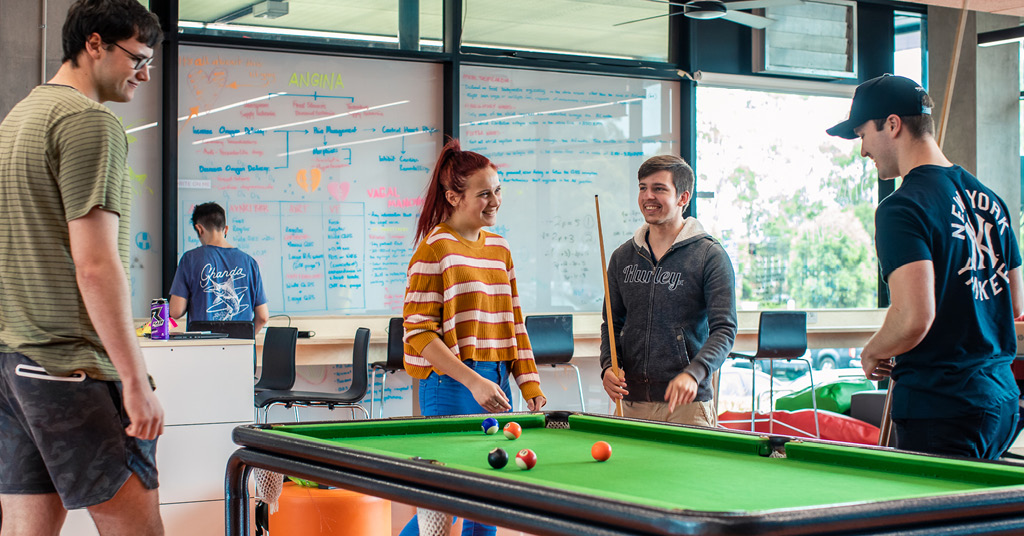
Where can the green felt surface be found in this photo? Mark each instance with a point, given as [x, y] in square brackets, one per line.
[672, 467]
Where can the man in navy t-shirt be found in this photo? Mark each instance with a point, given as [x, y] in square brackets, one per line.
[216, 281]
[948, 253]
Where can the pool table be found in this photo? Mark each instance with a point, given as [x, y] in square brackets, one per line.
[661, 479]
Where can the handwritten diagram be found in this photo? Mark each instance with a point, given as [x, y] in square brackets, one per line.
[297, 150]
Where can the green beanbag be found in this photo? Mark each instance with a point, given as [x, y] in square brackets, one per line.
[833, 396]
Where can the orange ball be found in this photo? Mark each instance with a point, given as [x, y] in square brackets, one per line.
[513, 430]
[601, 451]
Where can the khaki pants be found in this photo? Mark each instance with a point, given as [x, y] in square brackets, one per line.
[695, 413]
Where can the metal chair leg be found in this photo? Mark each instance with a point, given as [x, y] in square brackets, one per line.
[579, 383]
[814, 397]
[753, 395]
[373, 386]
[383, 384]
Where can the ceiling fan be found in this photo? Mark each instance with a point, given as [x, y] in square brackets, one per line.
[715, 9]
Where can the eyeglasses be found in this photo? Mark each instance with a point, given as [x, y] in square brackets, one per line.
[140, 62]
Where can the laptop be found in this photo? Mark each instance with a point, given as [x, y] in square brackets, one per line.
[189, 335]
[235, 329]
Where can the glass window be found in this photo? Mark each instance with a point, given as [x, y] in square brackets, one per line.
[351, 22]
[608, 28]
[793, 206]
[911, 56]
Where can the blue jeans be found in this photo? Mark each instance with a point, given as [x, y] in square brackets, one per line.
[442, 395]
[985, 434]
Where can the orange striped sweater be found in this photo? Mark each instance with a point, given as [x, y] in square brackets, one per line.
[465, 294]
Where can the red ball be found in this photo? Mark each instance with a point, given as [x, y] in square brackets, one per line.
[601, 451]
[526, 459]
[513, 430]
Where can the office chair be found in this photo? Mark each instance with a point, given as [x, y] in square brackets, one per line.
[290, 399]
[552, 343]
[395, 361]
[780, 335]
[278, 360]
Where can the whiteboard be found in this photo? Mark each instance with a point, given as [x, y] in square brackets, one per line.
[558, 140]
[322, 162]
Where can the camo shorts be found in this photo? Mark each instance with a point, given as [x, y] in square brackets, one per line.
[66, 435]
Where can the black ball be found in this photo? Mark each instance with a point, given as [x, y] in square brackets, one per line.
[498, 458]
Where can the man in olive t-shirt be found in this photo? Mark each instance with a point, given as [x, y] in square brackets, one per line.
[78, 416]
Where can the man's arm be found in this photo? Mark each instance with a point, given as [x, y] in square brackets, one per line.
[910, 316]
[178, 307]
[261, 317]
[104, 288]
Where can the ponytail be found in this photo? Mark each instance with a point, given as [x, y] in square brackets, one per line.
[452, 169]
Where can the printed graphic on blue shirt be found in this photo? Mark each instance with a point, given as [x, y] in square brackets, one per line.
[984, 269]
[227, 290]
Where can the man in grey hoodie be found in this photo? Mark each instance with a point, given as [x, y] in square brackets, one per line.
[673, 303]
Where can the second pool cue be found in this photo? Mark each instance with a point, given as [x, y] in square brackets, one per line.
[885, 427]
[608, 307]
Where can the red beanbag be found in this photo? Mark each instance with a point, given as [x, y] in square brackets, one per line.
[800, 423]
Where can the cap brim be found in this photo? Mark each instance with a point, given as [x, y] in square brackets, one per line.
[845, 129]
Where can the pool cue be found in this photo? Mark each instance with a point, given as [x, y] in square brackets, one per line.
[608, 307]
[885, 427]
[954, 64]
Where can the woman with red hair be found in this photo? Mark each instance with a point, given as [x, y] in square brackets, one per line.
[464, 331]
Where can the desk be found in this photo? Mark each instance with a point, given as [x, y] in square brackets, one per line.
[205, 388]
[661, 479]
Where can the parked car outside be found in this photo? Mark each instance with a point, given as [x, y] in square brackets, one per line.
[820, 359]
[833, 358]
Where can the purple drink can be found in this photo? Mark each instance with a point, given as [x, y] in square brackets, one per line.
[159, 317]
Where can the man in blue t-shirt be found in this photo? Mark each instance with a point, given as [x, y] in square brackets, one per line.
[216, 281]
[947, 251]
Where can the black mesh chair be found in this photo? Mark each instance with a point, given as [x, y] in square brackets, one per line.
[552, 343]
[780, 335]
[395, 361]
[283, 395]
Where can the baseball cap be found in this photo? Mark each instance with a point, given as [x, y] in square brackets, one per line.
[879, 98]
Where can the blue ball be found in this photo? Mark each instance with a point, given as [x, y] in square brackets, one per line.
[490, 425]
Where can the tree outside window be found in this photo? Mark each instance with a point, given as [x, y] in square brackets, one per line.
[793, 206]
